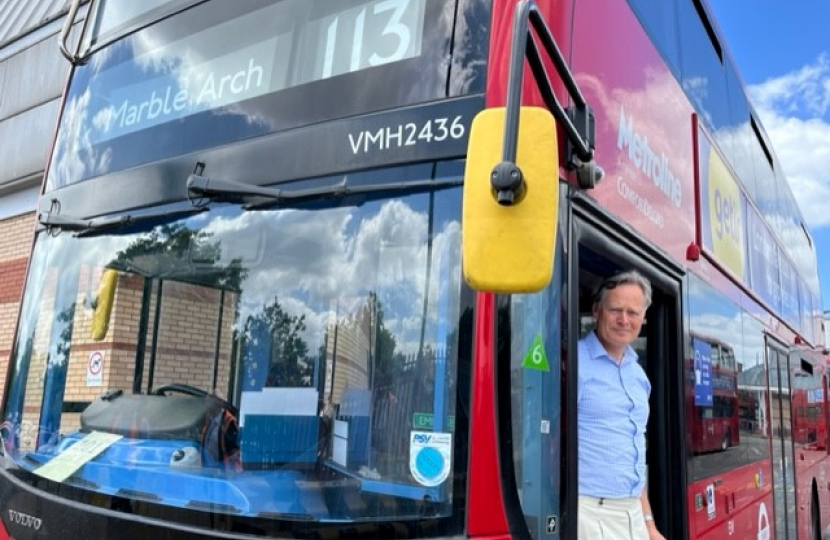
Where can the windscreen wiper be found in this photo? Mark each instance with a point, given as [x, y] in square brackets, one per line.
[56, 223]
[262, 198]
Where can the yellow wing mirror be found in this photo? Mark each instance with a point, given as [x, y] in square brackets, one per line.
[103, 304]
[509, 247]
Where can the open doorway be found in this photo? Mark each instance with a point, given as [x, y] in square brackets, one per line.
[659, 348]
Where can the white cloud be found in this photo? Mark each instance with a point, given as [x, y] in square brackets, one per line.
[802, 92]
[317, 264]
[795, 111]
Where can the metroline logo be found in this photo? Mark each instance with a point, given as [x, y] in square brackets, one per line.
[654, 166]
[25, 520]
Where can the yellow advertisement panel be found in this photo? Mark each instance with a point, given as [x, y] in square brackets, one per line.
[726, 220]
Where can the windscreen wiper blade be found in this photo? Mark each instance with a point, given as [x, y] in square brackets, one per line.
[87, 227]
[261, 198]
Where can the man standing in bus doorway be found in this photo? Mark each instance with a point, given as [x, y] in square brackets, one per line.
[612, 413]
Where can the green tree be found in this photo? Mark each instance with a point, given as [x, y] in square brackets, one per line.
[290, 362]
[178, 252]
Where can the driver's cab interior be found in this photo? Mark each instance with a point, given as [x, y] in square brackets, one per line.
[205, 391]
[250, 398]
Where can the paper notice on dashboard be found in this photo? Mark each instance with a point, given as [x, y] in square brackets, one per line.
[73, 458]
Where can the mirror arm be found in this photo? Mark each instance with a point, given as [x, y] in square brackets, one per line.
[63, 46]
[65, 31]
[578, 121]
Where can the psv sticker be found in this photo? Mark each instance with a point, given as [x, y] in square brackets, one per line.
[430, 456]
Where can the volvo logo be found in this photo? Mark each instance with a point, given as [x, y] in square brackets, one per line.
[25, 520]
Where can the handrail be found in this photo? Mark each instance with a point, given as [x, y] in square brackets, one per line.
[578, 120]
[65, 31]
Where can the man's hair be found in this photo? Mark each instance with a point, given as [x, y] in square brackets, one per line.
[632, 277]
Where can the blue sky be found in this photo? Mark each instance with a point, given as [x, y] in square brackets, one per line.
[783, 54]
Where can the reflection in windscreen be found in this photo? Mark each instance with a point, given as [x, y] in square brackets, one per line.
[285, 363]
[111, 14]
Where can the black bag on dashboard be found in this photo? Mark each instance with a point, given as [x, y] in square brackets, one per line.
[202, 419]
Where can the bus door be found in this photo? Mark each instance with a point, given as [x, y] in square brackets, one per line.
[782, 442]
[659, 348]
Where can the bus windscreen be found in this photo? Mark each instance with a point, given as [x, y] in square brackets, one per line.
[287, 364]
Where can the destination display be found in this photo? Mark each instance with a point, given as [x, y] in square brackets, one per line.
[222, 72]
[197, 74]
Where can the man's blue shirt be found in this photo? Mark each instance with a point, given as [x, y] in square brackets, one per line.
[612, 412]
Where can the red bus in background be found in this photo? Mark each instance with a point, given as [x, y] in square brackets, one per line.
[713, 407]
[249, 312]
[809, 407]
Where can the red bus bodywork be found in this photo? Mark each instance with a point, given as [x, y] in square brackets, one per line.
[631, 89]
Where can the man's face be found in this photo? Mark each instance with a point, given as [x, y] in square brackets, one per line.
[620, 316]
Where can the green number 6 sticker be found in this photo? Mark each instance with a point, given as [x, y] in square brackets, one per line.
[536, 357]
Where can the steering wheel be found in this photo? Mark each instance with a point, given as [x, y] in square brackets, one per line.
[189, 390]
[181, 389]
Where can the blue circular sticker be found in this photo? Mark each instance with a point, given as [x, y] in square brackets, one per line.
[429, 462]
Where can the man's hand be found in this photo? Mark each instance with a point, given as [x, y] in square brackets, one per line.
[653, 533]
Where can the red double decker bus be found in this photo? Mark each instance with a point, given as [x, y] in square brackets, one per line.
[809, 406]
[249, 311]
[713, 412]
